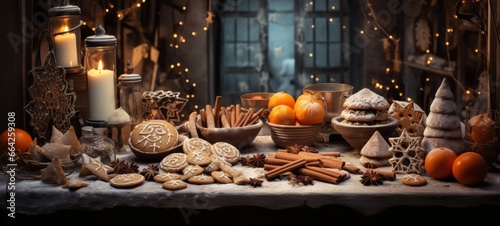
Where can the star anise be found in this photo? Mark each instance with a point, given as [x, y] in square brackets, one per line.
[370, 165]
[254, 182]
[131, 167]
[293, 180]
[244, 160]
[257, 160]
[296, 148]
[150, 172]
[118, 165]
[371, 177]
[305, 180]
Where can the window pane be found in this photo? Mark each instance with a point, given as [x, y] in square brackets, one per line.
[308, 30]
[334, 30]
[229, 29]
[242, 55]
[320, 56]
[242, 5]
[308, 60]
[335, 55]
[320, 5]
[229, 54]
[254, 51]
[236, 84]
[320, 29]
[334, 5]
[254, 5]
[242, 29]
[280, 5]
[254, 30]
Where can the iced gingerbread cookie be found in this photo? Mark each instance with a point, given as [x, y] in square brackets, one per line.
[164, 177]
[154, 136]
[413, 180]
[199, 157]
[226, 151]
[201, 179]
[127, 180]
[191, 171]
[196, 144]
[174, 162]
[174, 185]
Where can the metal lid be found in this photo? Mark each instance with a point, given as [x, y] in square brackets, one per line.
[64, 8]
[100, 38]
[129, 77]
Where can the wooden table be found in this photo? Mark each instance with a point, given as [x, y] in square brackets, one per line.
[32, 197]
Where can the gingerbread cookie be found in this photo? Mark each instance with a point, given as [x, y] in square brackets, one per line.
[226, 151]
[174, 162]
[196, 144]
[413, 180]
[174, 185]
[154, 136]
[199, 157]
[358, 115]
[221, 177]
[127, 180]
[201, 179]
[164, 177]
[191, 171]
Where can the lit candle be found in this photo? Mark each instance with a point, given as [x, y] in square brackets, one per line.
[101, 88]
[65, 48]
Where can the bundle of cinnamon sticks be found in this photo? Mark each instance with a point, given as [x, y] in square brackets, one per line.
[218, 116]
[323, 166]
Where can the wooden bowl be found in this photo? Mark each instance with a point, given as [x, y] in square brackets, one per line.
[158, 156]
[239, 137]
[357, 136]
[255, 100]
[288, 135]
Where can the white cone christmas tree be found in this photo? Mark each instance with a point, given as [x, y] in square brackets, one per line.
[443, 127]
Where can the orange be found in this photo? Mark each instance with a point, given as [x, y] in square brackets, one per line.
[307, 95]
[309, 112]
[470, 168]
[281, 97]
[18, 138]
[282, 114]
[439, 162]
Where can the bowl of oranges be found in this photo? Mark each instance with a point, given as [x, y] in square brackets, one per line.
[295, 121]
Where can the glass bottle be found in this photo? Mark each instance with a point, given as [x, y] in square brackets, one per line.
[130, 89]
[96, 144]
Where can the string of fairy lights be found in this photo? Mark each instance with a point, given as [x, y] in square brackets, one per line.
[178, 37]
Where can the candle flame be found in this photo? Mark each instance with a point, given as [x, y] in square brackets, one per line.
[66, 28]
[99, 67]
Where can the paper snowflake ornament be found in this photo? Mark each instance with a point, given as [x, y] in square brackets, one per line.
[163, 105]
[407, 154]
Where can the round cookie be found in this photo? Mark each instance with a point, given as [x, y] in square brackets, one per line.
[226, 151]
[199, 157]
[174, 162]
[154, 136]
[201, 179]
[414, 180]
[190, 171]
[127, 180]
[164, 177]
[174, 185]
[196, 143]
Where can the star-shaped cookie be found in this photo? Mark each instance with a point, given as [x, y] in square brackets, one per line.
[407, 153]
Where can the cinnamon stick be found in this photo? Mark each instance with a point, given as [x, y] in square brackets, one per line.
[333, 163]
[351, 168]
[216, 110]
[269, 167]
[275, 161]
[333, 173]
[248, 116]
[285, 168]
[225, 122]
[292, 157]
[233, 117]
[330, 153]
[203, 117]
[192, 125]
[388, 175]
[210, 116]
[317, 175]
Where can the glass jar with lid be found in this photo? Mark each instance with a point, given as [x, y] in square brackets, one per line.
[130, 92]
[96, 144]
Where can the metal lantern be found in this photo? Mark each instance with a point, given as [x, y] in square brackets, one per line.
[100, 64]
[65, 29]
[130, 89]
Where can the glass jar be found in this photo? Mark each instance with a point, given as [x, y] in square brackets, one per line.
[65, 29]
[131, 90]
[100, 64]
[96, 144]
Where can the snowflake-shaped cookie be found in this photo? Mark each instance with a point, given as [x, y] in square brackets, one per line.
[407, 153]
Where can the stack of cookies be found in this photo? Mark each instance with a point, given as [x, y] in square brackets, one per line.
[365, 108]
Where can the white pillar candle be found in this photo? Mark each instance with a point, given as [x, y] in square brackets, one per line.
[65, 49]
[101, 91]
